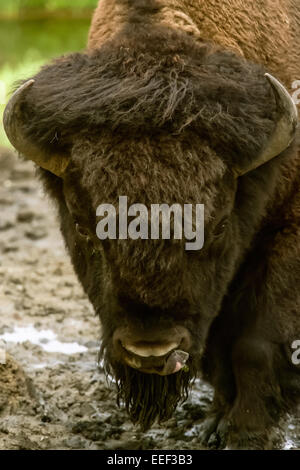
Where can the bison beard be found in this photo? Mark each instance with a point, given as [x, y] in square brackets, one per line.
[150, 397]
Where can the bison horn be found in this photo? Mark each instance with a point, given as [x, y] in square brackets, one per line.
[12, 121]
[282, 137]
[285, 129]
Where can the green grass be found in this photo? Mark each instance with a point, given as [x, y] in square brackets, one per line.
[14, 7]
[26, 46]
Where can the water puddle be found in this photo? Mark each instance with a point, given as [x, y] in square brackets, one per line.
[46, 339]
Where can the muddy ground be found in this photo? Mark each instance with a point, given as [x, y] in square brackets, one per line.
[52, 393]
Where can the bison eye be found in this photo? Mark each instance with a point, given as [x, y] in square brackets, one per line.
[82, 231]
[221, 227]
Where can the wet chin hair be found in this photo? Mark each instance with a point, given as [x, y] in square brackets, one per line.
[150, 397]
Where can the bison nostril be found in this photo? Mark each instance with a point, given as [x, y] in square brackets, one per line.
[164, 365]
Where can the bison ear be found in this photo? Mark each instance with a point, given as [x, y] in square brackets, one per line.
[14, 128]
[285, 128]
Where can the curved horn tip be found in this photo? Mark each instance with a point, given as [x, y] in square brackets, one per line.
[21, 89]
[25, 85]
[13, 101]
[283, 97]
[285, 129]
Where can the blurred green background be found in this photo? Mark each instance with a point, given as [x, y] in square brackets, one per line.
[34, 31]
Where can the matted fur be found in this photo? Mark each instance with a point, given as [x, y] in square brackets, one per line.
[168, 84]
[150, 397]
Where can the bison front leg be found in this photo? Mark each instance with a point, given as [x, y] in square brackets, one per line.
[258, 403]
[255, 410]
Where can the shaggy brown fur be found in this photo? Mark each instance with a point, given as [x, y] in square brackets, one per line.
[263, 31]
[148, 87]
[155, 112]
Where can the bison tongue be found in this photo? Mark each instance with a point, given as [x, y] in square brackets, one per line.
[175, 362]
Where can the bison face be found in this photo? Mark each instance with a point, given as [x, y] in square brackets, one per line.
[155, 299]
[174, 123]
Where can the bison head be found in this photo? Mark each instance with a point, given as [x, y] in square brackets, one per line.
[173, 121]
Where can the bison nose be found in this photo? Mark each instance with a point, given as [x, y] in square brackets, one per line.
[152, 342]
[163, 365]
[148, 349]
[153, 350]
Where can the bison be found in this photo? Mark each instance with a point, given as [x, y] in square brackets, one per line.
[174, 102]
